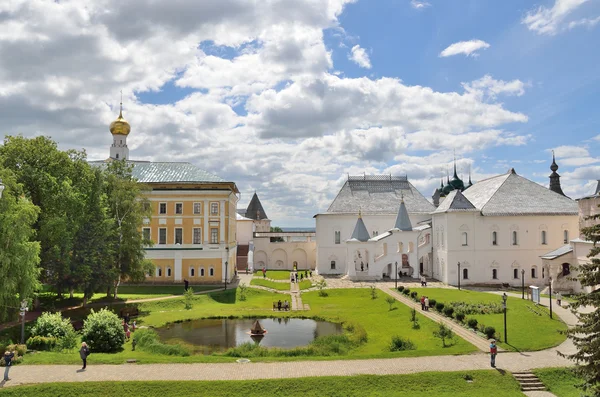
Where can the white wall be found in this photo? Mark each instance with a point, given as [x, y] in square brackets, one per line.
[281, 256]
[244, 230]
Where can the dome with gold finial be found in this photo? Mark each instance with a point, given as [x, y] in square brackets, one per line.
[120, 126]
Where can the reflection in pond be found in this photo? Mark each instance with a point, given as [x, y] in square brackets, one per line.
[218, 335]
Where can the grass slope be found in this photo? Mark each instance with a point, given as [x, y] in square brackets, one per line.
[271, 284]
[441, 384]
[526, 330]
[560, 381]
[274, 274]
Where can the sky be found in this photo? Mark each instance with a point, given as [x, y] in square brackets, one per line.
[288, 97]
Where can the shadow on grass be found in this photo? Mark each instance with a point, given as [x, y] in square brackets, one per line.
[227, 296]
[500, 371]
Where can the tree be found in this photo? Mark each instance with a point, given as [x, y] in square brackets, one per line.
[127, 208]
[444, 333]
[276, 229]
[586, 334]
[19, 255]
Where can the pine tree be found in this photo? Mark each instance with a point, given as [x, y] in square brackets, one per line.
[586, 335]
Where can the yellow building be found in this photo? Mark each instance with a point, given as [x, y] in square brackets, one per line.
[193, 223]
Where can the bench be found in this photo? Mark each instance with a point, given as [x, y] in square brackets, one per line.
[276, 306]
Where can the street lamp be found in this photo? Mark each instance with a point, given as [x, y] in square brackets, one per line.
[396, 273]
[458, 264]
[24, 309]
[504, 298]
[550, 285]
[226, 274]
[522, 283]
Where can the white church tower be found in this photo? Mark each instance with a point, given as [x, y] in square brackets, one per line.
[119, 129]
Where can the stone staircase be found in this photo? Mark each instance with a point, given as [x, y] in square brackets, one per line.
[528, 381]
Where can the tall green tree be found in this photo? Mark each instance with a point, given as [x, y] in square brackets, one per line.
[276, 229]
[128, 206]
[586, 335]
[93, 249]
[19, 253]
[56, 182]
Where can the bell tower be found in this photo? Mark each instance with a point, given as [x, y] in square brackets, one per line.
[120, 129]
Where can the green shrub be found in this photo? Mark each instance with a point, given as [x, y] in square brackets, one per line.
[472, 323]
[390, 301]
[460, 316]
[406, 291]
[321, 284]
[414, 295]
[444, 333]
[400, 288]
[448, 311]
[103, 332]
[489, 332]
[188, 297]
[51, 325]
[373, 292]
[69, 341]
[19, 350]
[357, 333]
[243, 288]
[398, 344]
[477, 308]
[42, 342]
[432, 302]
[439, 306]
[147, 340]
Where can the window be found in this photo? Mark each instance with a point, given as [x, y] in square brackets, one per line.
[197, 208]
[117, 156]
[544, 241]
[146, 233]
[192, 272]
[515, 273]
[332, 265]
[162, 208]
[465, 274]
[168, 272]
[494, 238]
[495, 274]
[197, 235]
[566, 236]
[158, 272]
[566, 269]
[201, 272]
[178, 235]
[214, 208]
[534, 272]
[515, 241]
[464, 238]
[543, 272]
[337, 237]
[178, 208]
[162, 235]
[211, 272]
[214, 235]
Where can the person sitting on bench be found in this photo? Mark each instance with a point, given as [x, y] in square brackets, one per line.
[286, 305]
[279, 304]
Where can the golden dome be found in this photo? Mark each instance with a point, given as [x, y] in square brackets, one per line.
[120, 126]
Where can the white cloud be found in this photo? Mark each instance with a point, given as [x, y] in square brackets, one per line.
[574, 156]
[417, 4]
[487, 86]
[544, 20]
[468, 48]
[585, 22]
[360, 57]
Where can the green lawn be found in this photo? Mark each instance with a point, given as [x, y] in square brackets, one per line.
[305, 284]
[341, 305]
[440, 384]
[274, 274]
[271, 284]
[527, 331]
[560, 381]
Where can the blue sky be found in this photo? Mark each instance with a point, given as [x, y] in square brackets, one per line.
[286, 98]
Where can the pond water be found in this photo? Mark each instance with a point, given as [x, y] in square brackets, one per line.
[218, 335]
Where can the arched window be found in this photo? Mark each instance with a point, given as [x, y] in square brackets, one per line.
[332, 265]
[211, 271]
[566, 269]
[495, 274]
[337, 237]
[566, 236]
[192, 272]
[168, 272]
[544, 241]
[534, 272]
[465, 238]
[543, 272]
[465, 274]
[201, 272]
[515, 273]
[158, 272]
[494, 238]
[515, 240]
[410, 246]
[117, 156]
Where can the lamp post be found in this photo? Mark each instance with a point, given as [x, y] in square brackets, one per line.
[226, 274]
[550, 285]
[504, 298]
[396, 273]
[24, 309]
[458, 264]
[522, 283]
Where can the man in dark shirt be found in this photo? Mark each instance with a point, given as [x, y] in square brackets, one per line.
[8, 357]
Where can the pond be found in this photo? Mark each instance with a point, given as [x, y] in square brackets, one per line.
[218, 335]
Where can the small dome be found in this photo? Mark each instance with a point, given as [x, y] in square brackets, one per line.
[447, 189]
[120, 126]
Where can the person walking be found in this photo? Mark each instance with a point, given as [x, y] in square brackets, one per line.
[426, 304]
[558, 298]
[422, 302]
[8, 357]
[84, 352]
[493, 352]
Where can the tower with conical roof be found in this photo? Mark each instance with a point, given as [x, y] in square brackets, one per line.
[360, 232]
[554, 177]
[120, 129]
[402, 220]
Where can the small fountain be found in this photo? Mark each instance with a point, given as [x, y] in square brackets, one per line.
[257, 329]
